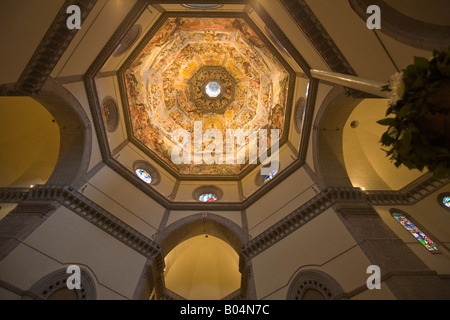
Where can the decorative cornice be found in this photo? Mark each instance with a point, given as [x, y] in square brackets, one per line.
[412, 32]
[50, 49]
[75, 201]
[298, 218]
[410, 195]
[32, 209]
[87, 209]
[307, 21]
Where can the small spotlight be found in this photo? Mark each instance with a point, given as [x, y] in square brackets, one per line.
[32, 186]
[363, 189]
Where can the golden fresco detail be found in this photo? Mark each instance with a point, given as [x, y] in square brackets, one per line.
[166, 86]
[198, 87]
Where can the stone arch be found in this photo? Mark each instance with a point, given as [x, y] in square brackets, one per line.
[217, 226]
[194, 225]
[412, 32]
[316, 281]
[56, 280]
[75, 134]
[327, 138]
[344, 159]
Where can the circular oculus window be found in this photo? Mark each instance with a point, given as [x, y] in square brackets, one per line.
[146, 172]
[213, 89]
[144, 175]
[207, 194]
[207, 197]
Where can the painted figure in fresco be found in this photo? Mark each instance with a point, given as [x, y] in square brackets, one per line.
[277, 117]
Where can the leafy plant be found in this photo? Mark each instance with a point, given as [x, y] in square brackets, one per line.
[419, 93]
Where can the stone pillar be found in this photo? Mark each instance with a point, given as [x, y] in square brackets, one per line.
[405, 274]
[364, 85]
[21, 222]
[248, 289]
[146, 283]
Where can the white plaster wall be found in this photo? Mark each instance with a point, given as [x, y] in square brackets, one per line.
[290, 194]
[61, 241]
[322, 244]
[434, 221]
[120, 198]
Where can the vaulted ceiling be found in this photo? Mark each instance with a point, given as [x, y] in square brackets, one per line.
[169, 87]
[154, 60]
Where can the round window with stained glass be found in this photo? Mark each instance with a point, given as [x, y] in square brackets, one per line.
[207, 197]
[144, 175]
[270, 176]
[446, 201]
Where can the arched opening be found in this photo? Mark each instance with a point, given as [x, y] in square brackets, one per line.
[412, 22]
[202, 268]
[328, 138]
[366, 163]
[314, 284]
[53, 286]
[74, 130]
[347, 148]
[30, 142]
[202, 257]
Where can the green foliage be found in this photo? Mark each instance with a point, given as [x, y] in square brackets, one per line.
[405, 143]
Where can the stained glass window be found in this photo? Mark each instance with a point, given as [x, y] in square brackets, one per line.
[446, 201]
[270, 176]
[419, 235]
[207, 197]
[144, 175]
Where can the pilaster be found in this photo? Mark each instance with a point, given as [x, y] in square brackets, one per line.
[402, 270]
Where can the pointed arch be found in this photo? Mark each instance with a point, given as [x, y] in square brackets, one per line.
[319, 282]
[56, 280]
[75, 134]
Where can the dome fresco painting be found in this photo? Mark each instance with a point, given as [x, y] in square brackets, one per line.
[168, 81]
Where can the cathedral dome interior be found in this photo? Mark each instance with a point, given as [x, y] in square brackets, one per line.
[229, 150]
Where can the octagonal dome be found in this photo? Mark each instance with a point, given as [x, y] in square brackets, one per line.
[219, 72]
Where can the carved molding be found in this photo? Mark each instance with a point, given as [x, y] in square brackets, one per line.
[75, 201]
[307, 21]
[317, 280]
[32, 209]
[50, 49]
[87, 209]
[409, 31]
[56, 280]
[410, 195]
